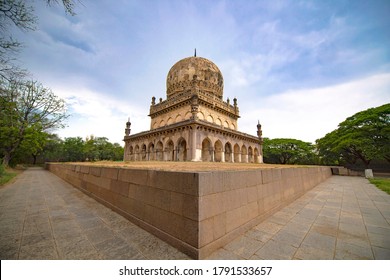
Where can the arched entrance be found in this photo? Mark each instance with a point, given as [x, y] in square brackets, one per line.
[131, 153]
[159, 151]
[244, 154]
[182, 150]
[218, 150]
[250, 155]
[169, 151]
[136, 153]
[237, 156]
[143, 152]
[207, 150]
[228, 152]
[151, 154]
[257, 156]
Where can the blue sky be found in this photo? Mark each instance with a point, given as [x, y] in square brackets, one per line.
[300, 67]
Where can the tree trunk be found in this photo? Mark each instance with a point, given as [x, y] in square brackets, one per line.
[11, 149]
[35, 159]
[6, 159]
[365, 161]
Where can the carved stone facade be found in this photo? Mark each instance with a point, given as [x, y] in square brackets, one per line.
[193, 123]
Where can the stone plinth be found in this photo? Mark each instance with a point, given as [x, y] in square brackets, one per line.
[195, 211]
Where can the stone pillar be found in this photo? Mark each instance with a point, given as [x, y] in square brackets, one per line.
[368, 173]
[239, 158]
[261, 152]
[125, 155]
[165, 156]
[176, 154]
[223, 156]
[196, 154]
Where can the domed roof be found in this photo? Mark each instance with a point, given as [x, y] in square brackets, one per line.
[201, 71]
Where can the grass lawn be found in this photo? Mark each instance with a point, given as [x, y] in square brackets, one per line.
[7, 176]
[382, 183]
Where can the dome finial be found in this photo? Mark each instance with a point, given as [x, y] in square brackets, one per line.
[195, 53]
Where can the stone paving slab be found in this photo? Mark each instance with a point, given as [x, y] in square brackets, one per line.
[43, 217]
[341, 218]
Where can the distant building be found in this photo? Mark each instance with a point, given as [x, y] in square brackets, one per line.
[193, 123]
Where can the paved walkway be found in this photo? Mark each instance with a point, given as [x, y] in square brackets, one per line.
[341, 218]
[43, 217]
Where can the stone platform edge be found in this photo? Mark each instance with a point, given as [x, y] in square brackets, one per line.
[195, 211]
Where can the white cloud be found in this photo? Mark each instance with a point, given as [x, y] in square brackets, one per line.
[311, 113]
[93, 113]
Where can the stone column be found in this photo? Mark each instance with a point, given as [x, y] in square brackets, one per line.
[368, 173]
[196, 154]
[165, 156]
[125, 156]
[261, 153]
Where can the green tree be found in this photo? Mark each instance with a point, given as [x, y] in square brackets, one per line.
[118, 151]
[73, 149]
[91, 151]
[54, 148]
[25, 107]
[364, 136]
[99, 148]
[31, 146]
[288, 151]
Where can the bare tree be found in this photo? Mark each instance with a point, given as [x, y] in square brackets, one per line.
[68, 5]
[13, 12]
[18, 13]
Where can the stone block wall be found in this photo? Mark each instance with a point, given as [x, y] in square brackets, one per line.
[197, 212]
[232, 202]
[339, 170]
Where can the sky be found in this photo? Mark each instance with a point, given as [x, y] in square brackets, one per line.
[298, 67]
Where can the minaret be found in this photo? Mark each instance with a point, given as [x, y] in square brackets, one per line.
[260, 134]
[128, 130]
[259, 131]
[235, 104]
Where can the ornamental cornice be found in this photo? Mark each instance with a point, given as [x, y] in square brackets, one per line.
[191, 124]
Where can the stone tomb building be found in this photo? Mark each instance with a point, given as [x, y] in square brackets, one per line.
[193, 123]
